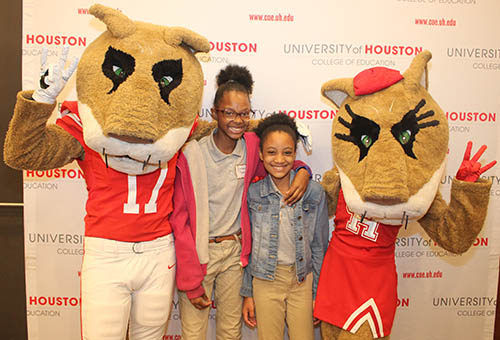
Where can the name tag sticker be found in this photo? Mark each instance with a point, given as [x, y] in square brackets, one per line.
[240, 170]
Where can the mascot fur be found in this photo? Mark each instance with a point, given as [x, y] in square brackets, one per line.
[389, 145]
[139, 89]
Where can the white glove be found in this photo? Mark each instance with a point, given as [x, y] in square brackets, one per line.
[53, 77]
[305, 136]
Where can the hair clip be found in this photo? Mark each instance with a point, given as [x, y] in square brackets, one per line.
[305, 136]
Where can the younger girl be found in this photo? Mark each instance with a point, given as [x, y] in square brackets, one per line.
[289, 242]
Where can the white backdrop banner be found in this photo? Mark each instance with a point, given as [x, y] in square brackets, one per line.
[292, 48]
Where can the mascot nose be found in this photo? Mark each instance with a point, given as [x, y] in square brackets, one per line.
[131, 139]
[386, 177]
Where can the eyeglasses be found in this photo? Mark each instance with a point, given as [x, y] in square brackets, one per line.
[231, 115]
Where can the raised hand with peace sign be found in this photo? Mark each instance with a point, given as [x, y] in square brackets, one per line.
[471, 169]
[53, 77]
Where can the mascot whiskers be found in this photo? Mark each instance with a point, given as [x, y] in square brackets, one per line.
[389, 145]
[139, 89]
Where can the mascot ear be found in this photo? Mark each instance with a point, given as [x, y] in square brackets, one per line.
[417, 72]
[117, 23]
[337, 90]
[184, 36]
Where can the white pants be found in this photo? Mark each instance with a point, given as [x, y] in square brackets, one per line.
[125, 284]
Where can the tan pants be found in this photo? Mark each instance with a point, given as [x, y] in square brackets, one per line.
[224, 276]
[284, 299]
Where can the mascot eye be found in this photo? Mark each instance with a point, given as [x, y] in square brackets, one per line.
[404, 137]
[168, 75]
[165, 81]
[117, 66]
[118, 71]
[406, 130]
[366, 140]
[363, 132]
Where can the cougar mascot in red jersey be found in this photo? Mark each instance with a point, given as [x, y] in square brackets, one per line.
[139, 89]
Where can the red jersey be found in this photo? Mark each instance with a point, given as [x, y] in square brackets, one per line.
[119, 206]
[358, 280]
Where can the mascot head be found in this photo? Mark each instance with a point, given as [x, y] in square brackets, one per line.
[139, 90]
[389, 141]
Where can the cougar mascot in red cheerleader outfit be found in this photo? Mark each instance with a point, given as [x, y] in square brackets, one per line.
[389, 144]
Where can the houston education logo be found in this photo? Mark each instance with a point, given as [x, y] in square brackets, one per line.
[62, 244]
[463, 121]
[48, 179]
[220, 51]
[466, 306]
[471, 116]
[54, 40]
[411, 247]
[478, 58]
[55, 173]
[33, 43]
[50, 306]
[351, 54]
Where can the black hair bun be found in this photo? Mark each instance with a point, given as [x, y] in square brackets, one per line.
[236, 73]
[277, 122]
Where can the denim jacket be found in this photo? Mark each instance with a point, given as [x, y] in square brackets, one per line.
[310, 222]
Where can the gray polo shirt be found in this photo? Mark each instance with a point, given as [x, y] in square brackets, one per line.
[225, 174]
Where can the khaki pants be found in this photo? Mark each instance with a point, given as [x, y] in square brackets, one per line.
[224, 276]
[284, 299]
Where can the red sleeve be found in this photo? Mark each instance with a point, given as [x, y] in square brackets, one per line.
[190, 272]
[299, 164]
[70, 120]
[71, 106]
